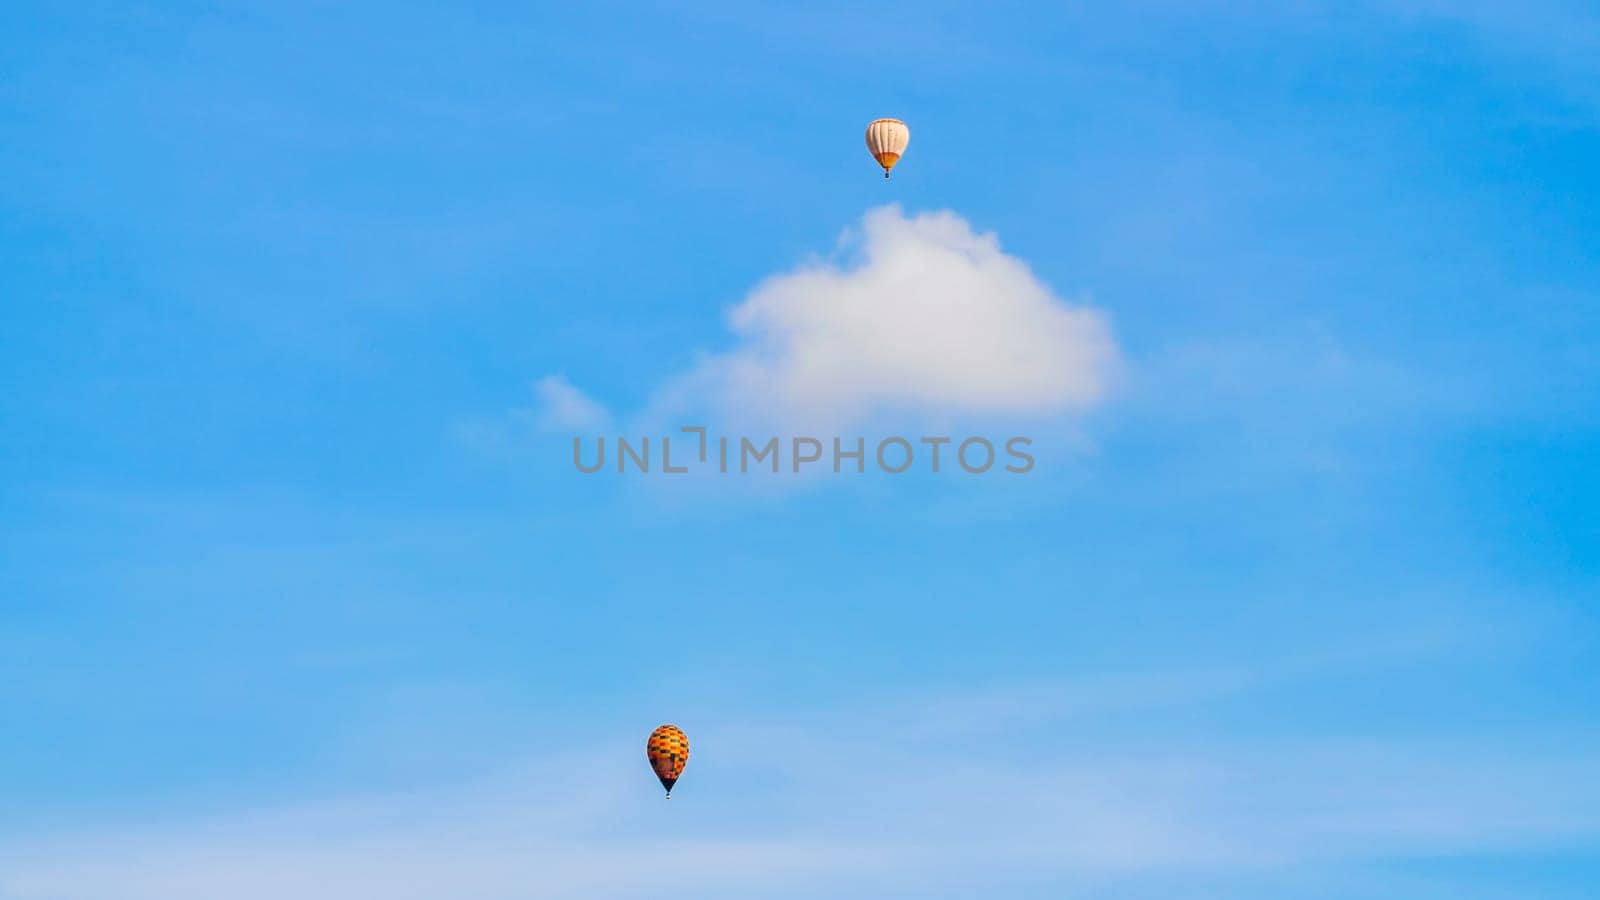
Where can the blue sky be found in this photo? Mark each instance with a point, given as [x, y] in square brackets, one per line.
[298, 598]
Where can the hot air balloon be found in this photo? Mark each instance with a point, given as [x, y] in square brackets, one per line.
[887, 139]
[668, 750]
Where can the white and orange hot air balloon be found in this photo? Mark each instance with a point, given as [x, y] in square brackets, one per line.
[887, 140]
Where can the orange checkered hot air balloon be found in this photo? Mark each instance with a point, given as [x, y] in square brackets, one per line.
[668, 749]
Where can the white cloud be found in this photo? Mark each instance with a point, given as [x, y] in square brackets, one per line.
[928, 320]
[931, 318]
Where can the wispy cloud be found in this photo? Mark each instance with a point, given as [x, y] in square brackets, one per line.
[561, 407]
[556, 408]
[863, 803]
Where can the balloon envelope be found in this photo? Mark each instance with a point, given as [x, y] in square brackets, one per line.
[887, 140]
[668, 751]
